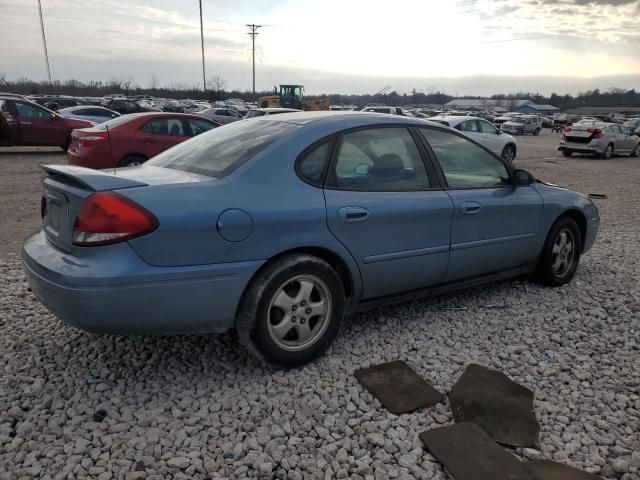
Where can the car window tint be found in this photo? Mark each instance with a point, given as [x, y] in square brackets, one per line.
[27, 110]
[486, 127]
[164, 126]
[199, 126]
[379, 159]
[465, 165]
[311, 167]
[220, 151]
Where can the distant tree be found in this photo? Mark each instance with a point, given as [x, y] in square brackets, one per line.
[153, 85]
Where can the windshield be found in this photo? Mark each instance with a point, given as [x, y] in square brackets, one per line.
[519, 120]
[219, 152]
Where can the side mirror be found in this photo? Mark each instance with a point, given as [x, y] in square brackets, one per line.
[53, 116]
[499, 132]
[522, 178]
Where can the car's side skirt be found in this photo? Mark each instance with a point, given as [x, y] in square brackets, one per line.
[440, 289]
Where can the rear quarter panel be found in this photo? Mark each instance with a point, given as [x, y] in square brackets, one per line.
[286, 212]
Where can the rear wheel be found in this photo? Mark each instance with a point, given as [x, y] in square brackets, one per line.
[536, 131]
[292, 311]
[636, 151]
[67, 143]
[567, 153]
[132, 161]
[608, 152]
[561, 253]
[508, 153]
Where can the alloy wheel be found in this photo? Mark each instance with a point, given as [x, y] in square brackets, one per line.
[563, 252]
[299, 312]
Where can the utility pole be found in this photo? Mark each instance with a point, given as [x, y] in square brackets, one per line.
[44, 42]
[204, 76]
[254, 31]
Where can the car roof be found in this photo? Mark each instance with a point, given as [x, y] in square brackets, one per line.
[277, 109]
[453, 119]
[344, 119]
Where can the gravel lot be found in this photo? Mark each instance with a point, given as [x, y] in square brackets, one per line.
[199, 407]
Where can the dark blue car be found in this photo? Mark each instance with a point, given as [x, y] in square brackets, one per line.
[279, 226]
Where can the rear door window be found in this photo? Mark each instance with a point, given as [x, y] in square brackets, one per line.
[199, 126]
[220, 151]
[312, 165]
[32, 111]
[165, 126]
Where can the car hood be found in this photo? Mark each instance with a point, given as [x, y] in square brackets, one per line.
[513, 124]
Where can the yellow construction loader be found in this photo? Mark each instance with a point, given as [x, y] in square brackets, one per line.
[291, 96]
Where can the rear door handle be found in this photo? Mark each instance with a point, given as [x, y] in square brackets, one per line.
[470, 208]
[353, 214]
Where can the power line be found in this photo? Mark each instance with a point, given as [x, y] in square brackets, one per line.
[254, 31]
[204, 76]
[44, 42]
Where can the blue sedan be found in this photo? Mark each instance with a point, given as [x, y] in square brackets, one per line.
[280, 226]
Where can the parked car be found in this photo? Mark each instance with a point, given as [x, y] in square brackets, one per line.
[123, 105]
[482, 132]
[13, 95]
[387, 110]
[523, 124]
[91, 113]
[600, 139]
[221, 115]
[261, 112]
[280, 226]
[133, 139]
[61, 101]
[26, 123]
[633, 125]
[505, 117]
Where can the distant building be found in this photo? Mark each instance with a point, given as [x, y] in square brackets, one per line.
[537, 109]
[485, 104]
[500, 106]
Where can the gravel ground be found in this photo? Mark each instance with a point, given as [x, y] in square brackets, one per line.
[200, 407]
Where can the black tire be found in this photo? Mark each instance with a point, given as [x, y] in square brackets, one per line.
[636, 151]
[255, 316]
[608, 152]
[67, 143]
[132, 161]
[508, 153]
[536, 131]
[567, 153]
[550, 271]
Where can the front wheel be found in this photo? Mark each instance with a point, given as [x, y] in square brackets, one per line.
[292, 311]
[561, 253]
[636, 151]
[567, 153]
[508, 153]
[536, 131]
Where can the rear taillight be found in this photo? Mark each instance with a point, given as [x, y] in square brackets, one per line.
[567, 130]
[597, 135]
[43, 206]
[90, 139]
[111, 218]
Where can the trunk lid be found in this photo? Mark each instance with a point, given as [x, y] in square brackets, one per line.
[67, 187]
[581, 133]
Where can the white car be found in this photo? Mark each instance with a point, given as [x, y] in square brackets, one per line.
[260, 112]
[483, 132]
[387, 110]
[523, 124]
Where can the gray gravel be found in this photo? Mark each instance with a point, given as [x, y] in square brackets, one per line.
[198, 406]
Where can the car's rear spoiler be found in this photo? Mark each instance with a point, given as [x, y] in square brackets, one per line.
[95, 180]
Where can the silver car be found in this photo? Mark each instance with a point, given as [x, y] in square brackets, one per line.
[601, 139]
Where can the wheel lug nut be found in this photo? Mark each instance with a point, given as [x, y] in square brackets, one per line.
[302, 320]
[308, 311]
[293, 319]
[303, 303]
[294, 308]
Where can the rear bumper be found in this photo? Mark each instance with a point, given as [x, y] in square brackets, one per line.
[110, 289]
[581, 148]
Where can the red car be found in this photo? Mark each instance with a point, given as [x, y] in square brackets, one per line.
[133, 139]
[26, 123]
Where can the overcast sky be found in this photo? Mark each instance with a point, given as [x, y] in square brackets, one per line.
[347, 46]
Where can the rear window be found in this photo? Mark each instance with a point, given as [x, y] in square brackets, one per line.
[116, 122]
[220, 151]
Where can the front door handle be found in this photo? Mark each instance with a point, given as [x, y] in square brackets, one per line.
[25, 123]
[470, 208]
[353, 214]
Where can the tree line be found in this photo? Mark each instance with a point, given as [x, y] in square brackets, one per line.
[216, 90]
